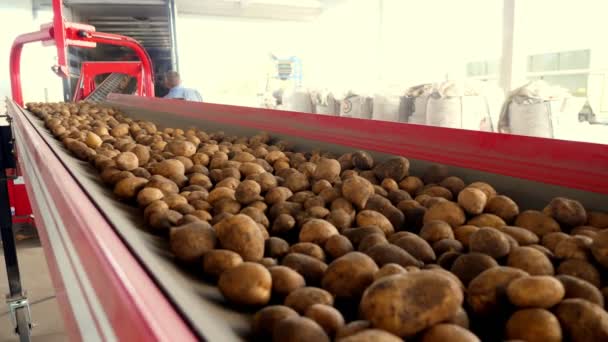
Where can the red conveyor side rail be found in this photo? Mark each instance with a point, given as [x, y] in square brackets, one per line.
[570, 164]
[103, 291]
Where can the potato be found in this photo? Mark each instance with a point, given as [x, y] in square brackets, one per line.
[241, 234]
[535, 291]
[276, 247]
[265, 320]
[148, 195]
[303, 298]
[599, 247]
[448, 332]
[352, 328]
[447, 245]
[340, 219]
[168, 168]
[327, 169]
[299, 329]
[580, 288]
[582, 320]
[285, 280]
[191, 241]
[485, 293]
[534, 325]
[390, 184]
[472, 200]
[283, 223]
[461, 319]
[226, 205]
[296, 181]
[248, 191]
[371, 241]
[202, 180]
[349, 275]
[410, 315]
[463, 234]
[357, 190]
[434, 174]
[128, 188]
[567, 211]
[417, 247]
[468, 266]
[454, 184]
[337, 246]
[448, 212]
[551, 240]
[394, 168]
[120, 130]
[216, 261]
[362, 160]
[485, 187]
[93, 140]
[489, 241]
[436, 191]
[374, 218]
[371, 335]
[446, 260]
[126, 161]
[436, 230]
[487, 220]
[503, 207]
[248, 284]
[278, 194]
[220, 193]
[576, 247]
[312, 269]
[308, 248]
[597, 219]
[327, 317]
[389, 270]
[388, 253]
[317, 231]
[580, 269]
[411, 184]
[530, 260]
[537, 222]
[521, 235]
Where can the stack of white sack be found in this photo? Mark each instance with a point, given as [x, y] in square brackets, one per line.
[356, 105]
[415, 103]
[459, 105]
[324, 102]
[389, 105]
[541, 110]
[298, 100]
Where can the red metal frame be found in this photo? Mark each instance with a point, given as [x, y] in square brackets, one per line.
[89, 70]
[136, 308]
[566, 163]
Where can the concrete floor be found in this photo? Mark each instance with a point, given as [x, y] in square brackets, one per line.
[48, 323]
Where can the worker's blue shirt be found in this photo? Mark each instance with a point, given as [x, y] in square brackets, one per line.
[182, 93]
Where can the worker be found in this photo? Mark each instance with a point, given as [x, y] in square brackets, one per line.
[177, 91]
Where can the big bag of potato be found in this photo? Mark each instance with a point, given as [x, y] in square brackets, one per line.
[298, 100]
[324, 102]
[356, 106]
[415, 103]
[387, 107]
[458, 105]
[539, 109]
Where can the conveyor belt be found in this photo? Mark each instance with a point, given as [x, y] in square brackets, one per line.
[110, 85]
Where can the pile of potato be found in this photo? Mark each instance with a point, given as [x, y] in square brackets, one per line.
[349, 248]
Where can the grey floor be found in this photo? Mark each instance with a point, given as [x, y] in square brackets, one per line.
[48, 323]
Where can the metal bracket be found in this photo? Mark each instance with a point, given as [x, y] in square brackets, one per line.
[19, 302]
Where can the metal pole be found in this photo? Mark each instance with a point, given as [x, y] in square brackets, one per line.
[172, 24]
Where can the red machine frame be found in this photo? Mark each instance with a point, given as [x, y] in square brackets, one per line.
[89, 70]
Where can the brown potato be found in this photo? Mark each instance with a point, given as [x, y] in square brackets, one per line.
[340, 219]
[371, 241]
[597, 219]
[576, 247]
[463, 234]
[435, 174]
[394, 168]
[355, 235]
[535, 291]
[409, 315]
[417, 247]
[126, 161]
[326, 316]
[303, 298]
[362, 160]
[129, 187]
[241, 234]
[537, 222]
[93, 140]
[283, 223]
[521, 235]
[436, 191]
[387, 253]
[551, 240]
[411, 184]
[285, 280]
[374, 218]
[317, 231]
[299, 329]
[327, 169]
[337, 246]
[436, 230]
[503, 207]
[312, 269]
[580, 288]
[278, 194]
[357, 190]
[468, 266]
[265, 320]
[447, 245]
[472, 200]
[371, 335]
[191, 241]
[276, 247]
[580, 269]
[567, 211]
[248, 283]
[168, 168]
[248, 191]
[216, 261]
[530, 260]
[534, 325]
[454, 184]
[485, 187]
[489, 241]
[599, 247]
[485, 293]
[352, 328]
[389, 270]
[148, 195]
[461, 318]
[389, 185]
[308, 248]
[487, 220]
[446, 211]
[349, 275]
[448, 332]
[582, 320]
